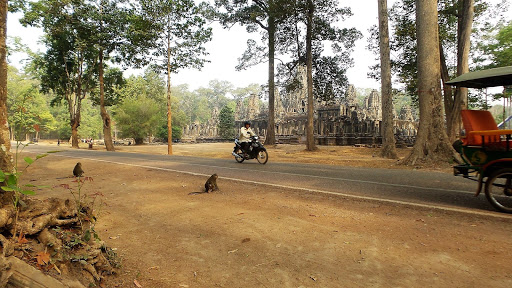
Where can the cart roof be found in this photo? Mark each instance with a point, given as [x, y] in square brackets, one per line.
[501, 76]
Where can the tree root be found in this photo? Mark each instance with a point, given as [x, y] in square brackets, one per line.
[52, 227]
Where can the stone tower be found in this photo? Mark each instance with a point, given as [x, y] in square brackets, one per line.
[253, 107]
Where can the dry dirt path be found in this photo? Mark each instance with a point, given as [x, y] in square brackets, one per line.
[246, 235]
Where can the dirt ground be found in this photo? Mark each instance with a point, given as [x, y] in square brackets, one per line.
[252, 236]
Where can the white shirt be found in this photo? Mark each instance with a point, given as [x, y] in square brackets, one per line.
[245, 133]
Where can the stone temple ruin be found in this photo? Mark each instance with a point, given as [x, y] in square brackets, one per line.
[344, 122]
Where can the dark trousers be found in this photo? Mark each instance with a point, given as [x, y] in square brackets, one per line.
[245, 146]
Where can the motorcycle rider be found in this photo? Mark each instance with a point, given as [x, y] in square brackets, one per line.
[245, 136]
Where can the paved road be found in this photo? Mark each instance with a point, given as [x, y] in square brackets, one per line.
[421, 188]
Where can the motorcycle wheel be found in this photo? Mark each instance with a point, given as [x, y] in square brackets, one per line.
[239, 158]
[262, 156]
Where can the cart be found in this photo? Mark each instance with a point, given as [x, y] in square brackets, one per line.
[485, 149]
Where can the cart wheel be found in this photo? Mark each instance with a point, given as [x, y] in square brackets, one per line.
[498, 189]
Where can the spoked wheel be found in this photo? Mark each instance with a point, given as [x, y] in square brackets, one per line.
[262, 156]
[498, 189]
[239, 158]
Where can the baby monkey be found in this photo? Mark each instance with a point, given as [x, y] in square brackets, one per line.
[77, 171]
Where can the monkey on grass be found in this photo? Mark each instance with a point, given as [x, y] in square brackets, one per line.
[210, 185]
[77, 171]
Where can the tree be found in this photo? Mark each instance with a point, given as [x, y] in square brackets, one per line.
[216, 93]
[110, 22]
[388, 138]
[432, 142]
[499, 50]
[256, 14]
[194, 106]
[460, 99]
[5, 141]
[455, 22]
[227, 122]
[310, 136]
[180, 33]
[326, 74]
[138, 117]
[28, 109]
[67, 67]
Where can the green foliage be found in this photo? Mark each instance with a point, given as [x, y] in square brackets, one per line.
[175, 26]
[138, 117]
[227, 123]
[91, 125]
[162, 133]
[28, 111]
[499, 50]
[403, 41]
[195, 107]
[216, 93]
[113, 82]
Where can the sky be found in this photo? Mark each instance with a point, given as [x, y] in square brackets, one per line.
[228, 45]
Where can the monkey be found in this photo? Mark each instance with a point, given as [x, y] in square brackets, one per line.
[77, 171]
[210, 185]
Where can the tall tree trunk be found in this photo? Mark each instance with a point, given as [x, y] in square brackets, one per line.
[310, 137]
[460, 99]
[107, 123]
[432, 142]
[74, 134]
[447, 94]
[5, 142]
[388, 138]
[270, 139]
[169, 113]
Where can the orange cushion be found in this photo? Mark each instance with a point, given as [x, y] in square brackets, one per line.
[478, 120]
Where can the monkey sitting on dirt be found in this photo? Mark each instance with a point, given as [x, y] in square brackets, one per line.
[210, 185]
[77, 171]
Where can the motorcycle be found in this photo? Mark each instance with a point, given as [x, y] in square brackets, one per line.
[256, 150]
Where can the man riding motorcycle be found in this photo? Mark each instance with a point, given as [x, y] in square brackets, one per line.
[245, 136]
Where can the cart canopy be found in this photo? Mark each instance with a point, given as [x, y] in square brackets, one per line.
[501, 76]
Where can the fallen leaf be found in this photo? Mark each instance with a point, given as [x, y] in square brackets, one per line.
[137, 283]
[246, 240]
[22, 239]
[43, 258]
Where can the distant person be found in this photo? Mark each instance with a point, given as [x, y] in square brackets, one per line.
[58, 142]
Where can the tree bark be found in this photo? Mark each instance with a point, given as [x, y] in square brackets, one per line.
[74, 134]
[310, 137]
[388, 138]
[432, 142]
[447, 93]
[107, 123]
[169, 113]
[5, 142]
[270, 138]
[460, 98]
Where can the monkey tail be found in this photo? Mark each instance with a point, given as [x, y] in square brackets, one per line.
[196, 193]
